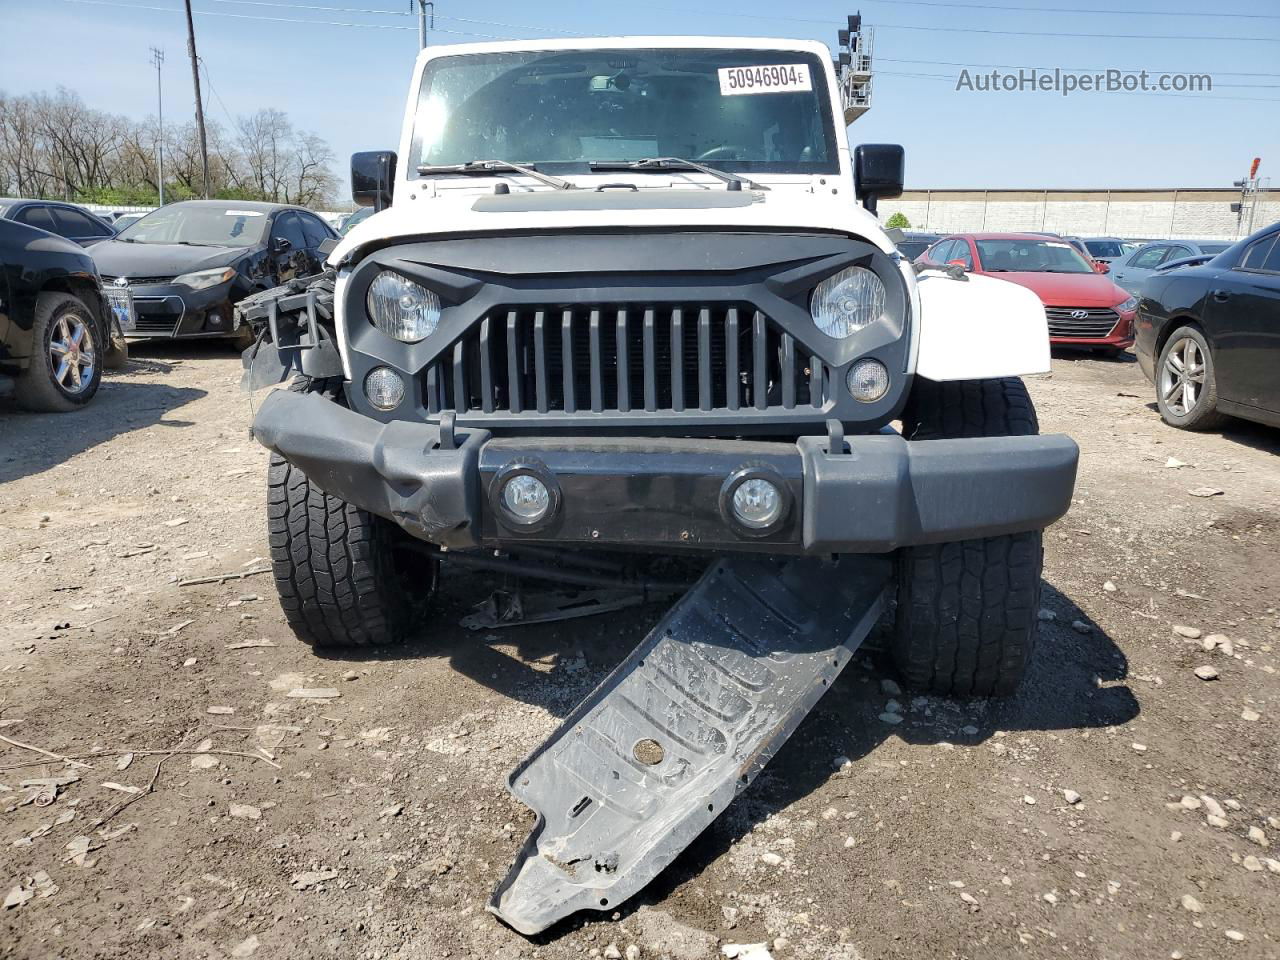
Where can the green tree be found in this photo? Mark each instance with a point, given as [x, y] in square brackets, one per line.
[898, 220]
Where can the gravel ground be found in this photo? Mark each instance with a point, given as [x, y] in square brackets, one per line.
[1120, 806]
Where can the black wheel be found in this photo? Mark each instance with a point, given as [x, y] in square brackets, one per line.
[967, 611]
[1186, 388]
[340, 572]
[117, 354]
[64, 370]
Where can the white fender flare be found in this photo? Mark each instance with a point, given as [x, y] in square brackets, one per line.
[978, 328]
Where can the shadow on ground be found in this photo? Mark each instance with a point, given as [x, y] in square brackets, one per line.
[31, 443]
[1072, 685]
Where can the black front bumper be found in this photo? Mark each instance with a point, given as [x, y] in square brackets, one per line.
[168, 311]
[879, 493]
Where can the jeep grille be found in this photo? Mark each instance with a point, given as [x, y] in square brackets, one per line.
[624, 358]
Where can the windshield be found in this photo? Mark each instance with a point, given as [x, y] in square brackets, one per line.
[1105, 248]
[910, 249]
[1214, 248]
[1032, 256]
[737, 110]
[206, 226]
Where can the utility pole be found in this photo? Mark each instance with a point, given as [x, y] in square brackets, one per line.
[195, 79]
[422, 21]
[157, 58]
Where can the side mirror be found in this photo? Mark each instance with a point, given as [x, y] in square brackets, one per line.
[373, 174]
[878, 171]
[281, 244]
[1099, 267]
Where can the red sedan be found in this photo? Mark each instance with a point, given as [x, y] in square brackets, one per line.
[1084, 308]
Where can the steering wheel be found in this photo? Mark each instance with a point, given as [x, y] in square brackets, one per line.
[728, 151]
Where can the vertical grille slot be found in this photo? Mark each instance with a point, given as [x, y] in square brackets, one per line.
[624, 357]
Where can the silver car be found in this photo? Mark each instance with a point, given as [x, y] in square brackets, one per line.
[1130, 271]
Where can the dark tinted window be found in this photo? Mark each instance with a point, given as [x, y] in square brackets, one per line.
[1149, 257]
[1257, 253]
[38, 216]
[1177, 252]
[1212, 247]
[1104, 248]
[287, 226]
[1272, 263]
[314, 230]
[962, 252]
[73, 223]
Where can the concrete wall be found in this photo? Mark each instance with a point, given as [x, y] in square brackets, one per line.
[1154, 214]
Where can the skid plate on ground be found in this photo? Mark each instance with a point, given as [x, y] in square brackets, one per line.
[663, 745]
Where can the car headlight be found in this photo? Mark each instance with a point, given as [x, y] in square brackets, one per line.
[202, 279]
[1128, 306]
[402, 309]
[848, 301]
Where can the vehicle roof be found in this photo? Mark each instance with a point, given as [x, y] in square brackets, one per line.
[1006, 236]
[6, 202]
[262, 206]
[627, 43]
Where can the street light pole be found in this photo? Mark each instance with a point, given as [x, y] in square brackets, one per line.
[157, 58]
[422, 21]
[195, 80]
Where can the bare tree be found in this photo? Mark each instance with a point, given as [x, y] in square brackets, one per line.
[54, 145]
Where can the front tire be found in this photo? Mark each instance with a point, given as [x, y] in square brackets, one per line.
[341, 580]
[967, 611]
[1186, 383]
[64, 369]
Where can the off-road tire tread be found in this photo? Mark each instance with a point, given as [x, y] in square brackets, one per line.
[331, 560]
[967, 616]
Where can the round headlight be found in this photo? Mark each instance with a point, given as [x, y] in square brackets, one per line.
[402, 309]
[384, 388]
[867, 380]
[845, 303]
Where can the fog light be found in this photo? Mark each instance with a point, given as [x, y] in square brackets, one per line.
[868, 381]
[757, 503]
[527, 498]
[384, 388]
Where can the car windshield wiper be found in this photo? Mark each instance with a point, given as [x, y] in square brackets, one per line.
[482, 167]
[734, 181]
[193, 243]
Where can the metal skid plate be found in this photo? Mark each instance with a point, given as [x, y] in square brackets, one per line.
[662, 746]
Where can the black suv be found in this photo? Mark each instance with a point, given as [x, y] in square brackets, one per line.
[55, 332]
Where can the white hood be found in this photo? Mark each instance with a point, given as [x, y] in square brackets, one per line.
[438, 210]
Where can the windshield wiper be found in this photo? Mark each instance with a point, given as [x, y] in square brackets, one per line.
[192, 243]
[734, 181]
[482, 167]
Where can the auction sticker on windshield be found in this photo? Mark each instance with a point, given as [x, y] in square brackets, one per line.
[776, 78]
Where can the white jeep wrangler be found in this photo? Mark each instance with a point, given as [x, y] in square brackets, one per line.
[630, 294]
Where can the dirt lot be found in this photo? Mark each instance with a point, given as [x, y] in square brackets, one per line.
[1067, 821]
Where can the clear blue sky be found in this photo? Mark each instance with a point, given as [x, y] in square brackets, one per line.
[348, 83]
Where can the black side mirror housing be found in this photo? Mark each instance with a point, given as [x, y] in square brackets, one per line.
[878, 171]
[282, 244]
[373, 174]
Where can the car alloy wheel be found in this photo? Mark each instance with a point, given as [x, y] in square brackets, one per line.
[72, 354]
[1182, 377]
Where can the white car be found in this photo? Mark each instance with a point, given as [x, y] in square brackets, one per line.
[630, 294]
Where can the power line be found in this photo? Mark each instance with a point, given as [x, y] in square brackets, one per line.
[1097, 11]
[308, 6]
[246, 16]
